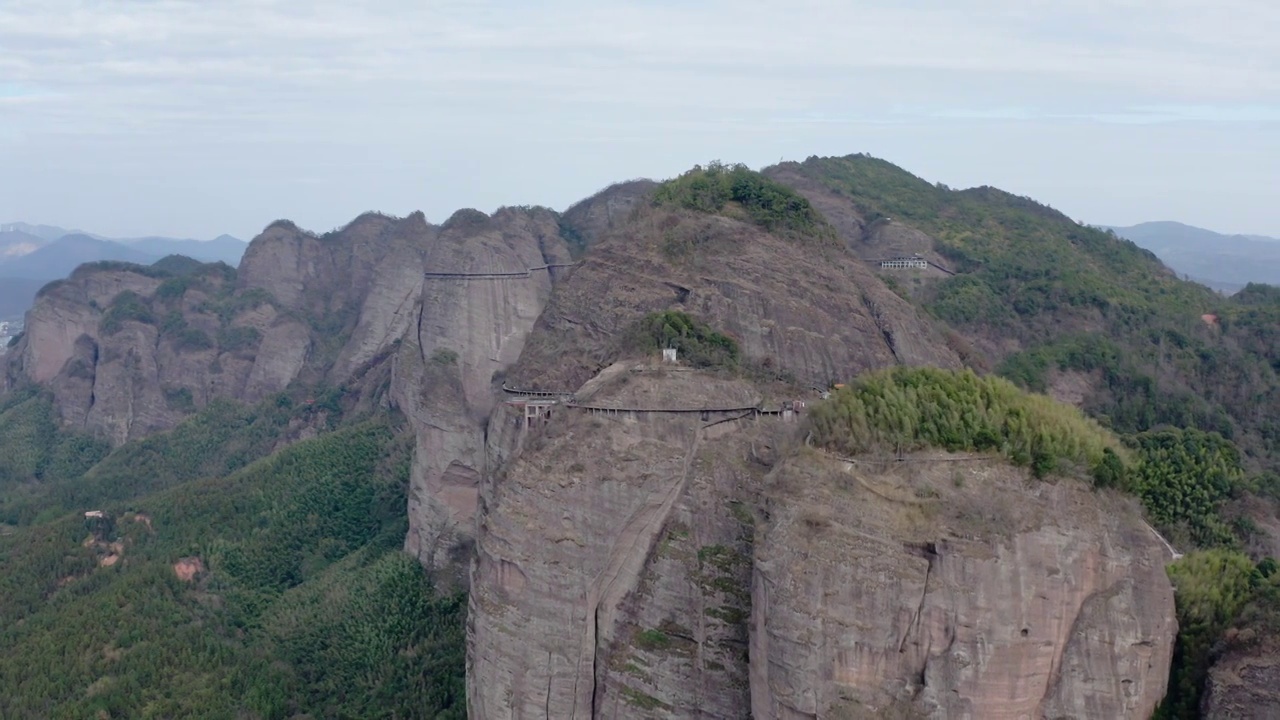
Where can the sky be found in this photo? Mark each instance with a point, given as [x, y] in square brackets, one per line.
[192, 119]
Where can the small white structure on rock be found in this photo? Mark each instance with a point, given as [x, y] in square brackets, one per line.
[94, 514]
[668, 355]
[915, 261]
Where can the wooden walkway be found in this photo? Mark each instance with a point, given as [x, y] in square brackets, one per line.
[536, 393]
[522, 274]
[750, 409]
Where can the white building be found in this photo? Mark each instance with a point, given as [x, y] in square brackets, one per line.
[915, 261]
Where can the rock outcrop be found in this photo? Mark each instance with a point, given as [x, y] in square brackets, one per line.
[487, 280]
[804, 313]
[625, 561]
[612, 567]
[946, 589]
[1244, 684]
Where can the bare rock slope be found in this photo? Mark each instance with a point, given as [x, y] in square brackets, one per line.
[954, 589]
[667, 565]
[800, 312]
[643, 564]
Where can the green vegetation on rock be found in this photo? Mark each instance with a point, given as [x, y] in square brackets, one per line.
[907, 409]
[695, 342]
[128, 306]
[1183, 477]
[1212, 587]
[735, 190]
[1168, 352]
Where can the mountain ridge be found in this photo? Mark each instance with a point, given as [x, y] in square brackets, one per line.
[642, 543]
[1225, 262]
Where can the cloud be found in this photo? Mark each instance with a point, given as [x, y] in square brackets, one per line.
[122, 66]
[389, 87]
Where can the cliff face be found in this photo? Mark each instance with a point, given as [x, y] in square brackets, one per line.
[397, 309]
[798, 312]
[127, 353]
[611, 577]
[1244, 684]
[636, 564]
[667, 565]
[954, 589]
[464, 331]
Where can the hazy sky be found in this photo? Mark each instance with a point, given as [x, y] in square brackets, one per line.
[197, 118]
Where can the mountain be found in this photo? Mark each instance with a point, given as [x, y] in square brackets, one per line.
[223, 248]
[1223, 262]
[17, 239]
[56, 259]
[60, 257]
[29, 261]
[44, 232]
[404, 469]
[15, 243]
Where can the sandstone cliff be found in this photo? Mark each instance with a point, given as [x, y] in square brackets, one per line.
[625, 562]
[1244, 684]
[487, 280]
[387, 309]
[799, 312]
[954, 589]
[613, 559]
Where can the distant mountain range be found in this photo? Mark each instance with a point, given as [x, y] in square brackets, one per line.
[32, 255]
[1223, 262]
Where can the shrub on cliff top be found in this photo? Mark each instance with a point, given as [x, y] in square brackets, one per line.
[907, 409]
[771, 205]
[695, 341]
[127, 306]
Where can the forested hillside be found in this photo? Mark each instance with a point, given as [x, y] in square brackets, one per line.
[220, 580]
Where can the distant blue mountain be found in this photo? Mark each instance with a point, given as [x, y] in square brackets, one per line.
[1223, 262]
[29, 259]
[58, 258]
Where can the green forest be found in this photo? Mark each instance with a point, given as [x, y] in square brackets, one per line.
[298, 600]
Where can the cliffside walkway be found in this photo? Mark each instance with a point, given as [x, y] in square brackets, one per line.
[612, 410]
[537, 393]
[736, 412]
[521, 274]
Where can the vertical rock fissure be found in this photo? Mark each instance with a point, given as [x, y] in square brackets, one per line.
[595, 663]
[930, 552]
[886, 332]
[634, 545]
[546, 710]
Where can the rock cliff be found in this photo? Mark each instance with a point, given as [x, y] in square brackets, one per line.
[629, 563]
[486, 281]
[387, 309]
[949, 588]
[1244, 684]
[664, 565]
[612, 563]
[660, 564]
[799, 313]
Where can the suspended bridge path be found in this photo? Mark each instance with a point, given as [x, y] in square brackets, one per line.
[516, 275]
